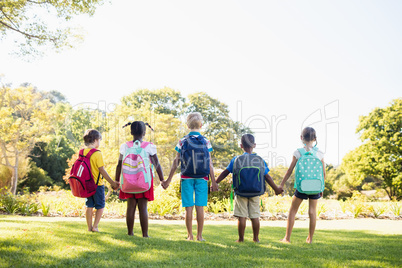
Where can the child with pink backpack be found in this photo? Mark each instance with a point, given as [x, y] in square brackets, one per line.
[134, 172]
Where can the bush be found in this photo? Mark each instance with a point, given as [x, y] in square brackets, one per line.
[35, 178]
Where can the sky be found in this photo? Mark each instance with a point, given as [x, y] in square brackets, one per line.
[278, 65]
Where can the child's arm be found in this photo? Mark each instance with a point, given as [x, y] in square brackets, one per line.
[289, 172]
[155, 162]
[118, 168]
[104, 173]
[175, 164]
[278, 190]
[325, 173]
[212, 174]
[222, 176]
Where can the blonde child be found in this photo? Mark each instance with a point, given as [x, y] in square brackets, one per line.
[138, 130]
[92, 139]
[194, 188]
[308, 137]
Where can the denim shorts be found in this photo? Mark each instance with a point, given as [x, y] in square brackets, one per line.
[98, 199]
[307, 196]
[194, 192]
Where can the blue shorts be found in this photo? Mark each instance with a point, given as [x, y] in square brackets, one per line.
[98, 199]
[307, 196]
[194, 189]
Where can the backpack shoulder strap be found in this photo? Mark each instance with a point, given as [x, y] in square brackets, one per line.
[130, 144]
[145, 144]
[91, 152]
[81, 153]
[302, 151]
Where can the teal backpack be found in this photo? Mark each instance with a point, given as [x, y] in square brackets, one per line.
[309, 177]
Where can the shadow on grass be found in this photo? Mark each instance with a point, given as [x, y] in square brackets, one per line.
[65, 244]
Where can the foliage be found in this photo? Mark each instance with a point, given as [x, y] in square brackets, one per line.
[277, 174]
[34, 34]
[160, 101]
[52, 157]
[223, 132]
[35, 178]
[25, 119]
[380, 155]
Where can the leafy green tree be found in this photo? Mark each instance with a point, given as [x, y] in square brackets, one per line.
[380, 155]
[53, 158]
[35, 178]
[223, 132]
[25, 119]
[23, 17]
[160, 101]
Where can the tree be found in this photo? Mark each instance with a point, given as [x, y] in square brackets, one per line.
[25, 119]
[161, 101]
[380, 155]
[25, 17]
[223, 132]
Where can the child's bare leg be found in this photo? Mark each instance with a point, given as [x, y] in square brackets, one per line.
[200, 222]
[241, 226]
[143, 209]
[88, 216]
[189, 222]
[255, 223]
[294, 207]
[312, 213]
[130, 215]
[98, 216]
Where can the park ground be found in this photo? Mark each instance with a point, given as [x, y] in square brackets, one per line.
[64, 242]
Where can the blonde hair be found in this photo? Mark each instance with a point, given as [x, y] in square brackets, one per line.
[194, 120]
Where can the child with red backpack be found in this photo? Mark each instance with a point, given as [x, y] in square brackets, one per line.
[134, 173]
[92, 139]
[194, 153]
[309, 181]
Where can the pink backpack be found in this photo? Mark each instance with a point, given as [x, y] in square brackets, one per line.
[136, 171]
[81, 180]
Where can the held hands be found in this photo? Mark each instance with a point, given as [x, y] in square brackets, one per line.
[214, 187]
[279, 190]
[165, 184]
[115, 185]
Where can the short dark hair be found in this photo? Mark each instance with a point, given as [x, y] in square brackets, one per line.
[308, 134]
[91, 135]
[247, 140]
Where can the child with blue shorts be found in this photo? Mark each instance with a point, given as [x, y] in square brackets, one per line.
[194, 189]
[92, 140]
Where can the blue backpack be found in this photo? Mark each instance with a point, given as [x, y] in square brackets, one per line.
[248, 175]
[194, 156]
[309, 177]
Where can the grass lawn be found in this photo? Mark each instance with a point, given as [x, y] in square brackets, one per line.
[58, 242]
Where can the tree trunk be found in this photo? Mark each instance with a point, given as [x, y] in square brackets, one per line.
[14, 180]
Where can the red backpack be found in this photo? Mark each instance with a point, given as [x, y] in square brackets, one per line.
[81, 180]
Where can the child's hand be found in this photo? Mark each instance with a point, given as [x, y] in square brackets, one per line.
[165, 184]
[279, 190]
[115, 185]
[214, 187]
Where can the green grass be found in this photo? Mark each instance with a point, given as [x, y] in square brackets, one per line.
[36, 241]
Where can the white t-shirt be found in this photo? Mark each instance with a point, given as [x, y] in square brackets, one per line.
[150, 149]
[320, 154]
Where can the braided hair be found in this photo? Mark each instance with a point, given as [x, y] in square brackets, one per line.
[138, 128]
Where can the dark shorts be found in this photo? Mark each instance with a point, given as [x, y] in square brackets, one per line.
[307, 196]
[98, 199]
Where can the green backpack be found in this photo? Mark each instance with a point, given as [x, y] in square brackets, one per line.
[309, 177]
